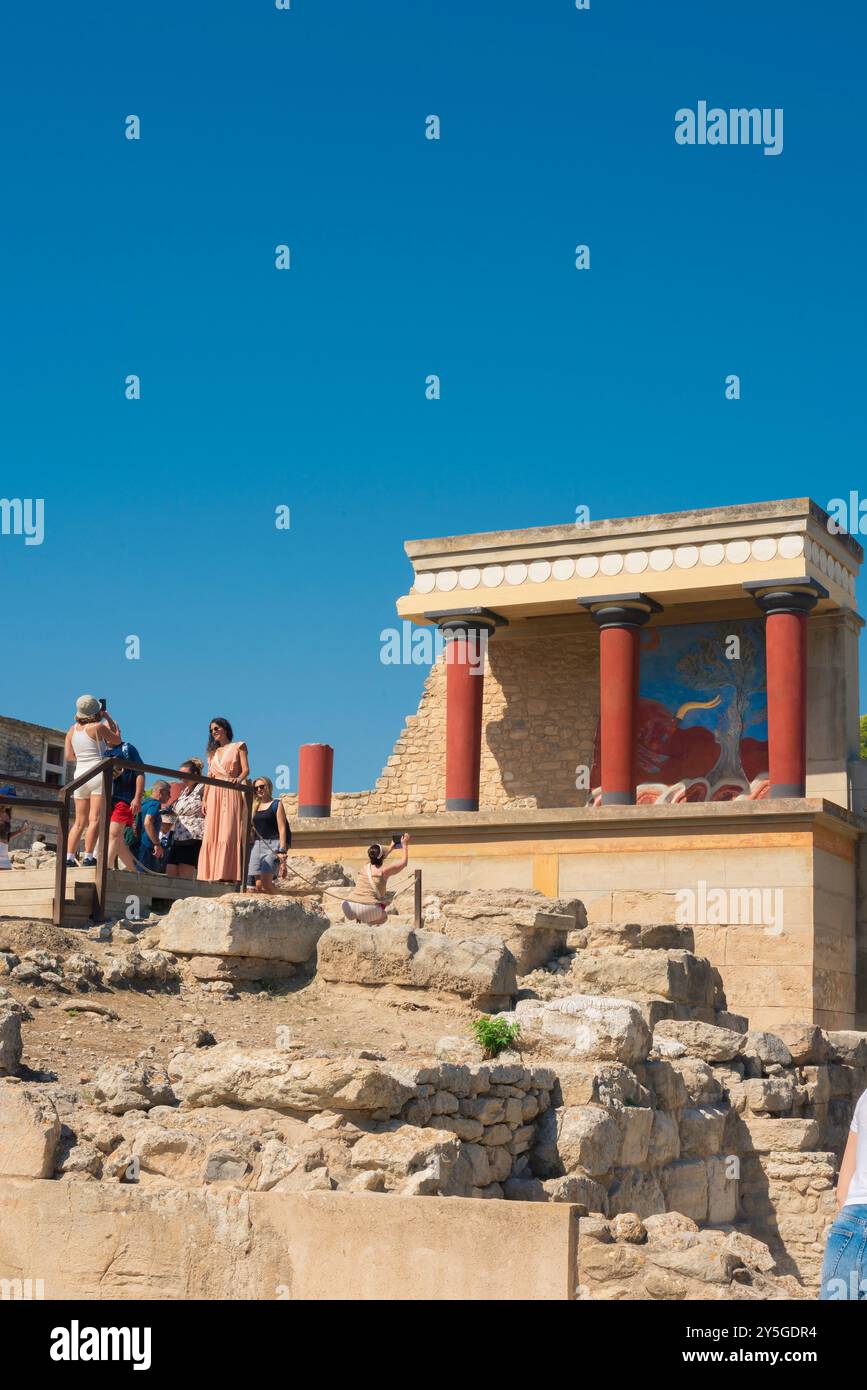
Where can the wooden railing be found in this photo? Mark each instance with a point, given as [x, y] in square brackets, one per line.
[105, 769]
[60, 808]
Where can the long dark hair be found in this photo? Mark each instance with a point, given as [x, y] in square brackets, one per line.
[375, 855]
[221, 724]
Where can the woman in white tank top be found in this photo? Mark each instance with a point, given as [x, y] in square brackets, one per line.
[87, 741]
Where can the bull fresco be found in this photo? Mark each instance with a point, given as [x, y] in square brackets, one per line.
[702, 714]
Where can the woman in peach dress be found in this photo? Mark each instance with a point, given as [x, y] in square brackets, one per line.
[220, 855]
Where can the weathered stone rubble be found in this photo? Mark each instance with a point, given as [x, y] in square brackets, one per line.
[719, 1125]
[652, 966]
[260, 1120]
[669, 1257]
[703, 1153]
[533, 927]
[242, 936]
[35, 858]
[133, 967]
[478, 969]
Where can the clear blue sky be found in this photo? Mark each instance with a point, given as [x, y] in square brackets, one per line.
[408, 257]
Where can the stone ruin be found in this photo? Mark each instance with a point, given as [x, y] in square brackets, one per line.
[700, 1155]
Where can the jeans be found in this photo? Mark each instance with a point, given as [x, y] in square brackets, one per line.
[844, 1269]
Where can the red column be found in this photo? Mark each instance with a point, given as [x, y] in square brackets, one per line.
[465, 683]
[786, 657]
[619, 619]
[315, 768]
[618, 712]
[786, 606]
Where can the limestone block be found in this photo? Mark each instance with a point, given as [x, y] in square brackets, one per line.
[305, 874]
[637, 1125]
[633, 1190]
[460, 1125]
[243, 924]
[532, 926]
[723, 1196]
[769, 1048]
[29, 1131]
[770, 1095]
[122, 1086]
[10, 1040]
[701, 1130]
[606, 1083]
[479, 1158]
[664, 1145]
[674, 975]
[250, 1078]
[806, 1043]
[703, 1040]
[582, 1191]
[589, 1025]
[430, 1157]
[849, 1046]
[240, 968]
[659, 1228]
[760, 1134]
[142, 969]
[684, 1184]
[702, 1087]
[668, 1084]
[477, 968]
[840, 1078]
[701, 1262]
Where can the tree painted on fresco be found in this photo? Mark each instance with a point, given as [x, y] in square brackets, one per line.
[707, 669]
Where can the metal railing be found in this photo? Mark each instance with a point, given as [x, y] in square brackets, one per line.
[105, 769]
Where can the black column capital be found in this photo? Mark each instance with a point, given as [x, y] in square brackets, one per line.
[455, 622]
[620, 610]
[786, 595]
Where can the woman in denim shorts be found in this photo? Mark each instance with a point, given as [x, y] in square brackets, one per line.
[844, 1270]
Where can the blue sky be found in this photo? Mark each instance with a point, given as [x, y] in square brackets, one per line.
[409, 256]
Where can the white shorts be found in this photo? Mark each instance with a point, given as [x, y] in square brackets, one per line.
[91, 788]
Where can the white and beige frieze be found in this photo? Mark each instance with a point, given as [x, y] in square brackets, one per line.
[679, 558]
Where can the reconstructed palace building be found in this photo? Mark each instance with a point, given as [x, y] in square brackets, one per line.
[656, 714]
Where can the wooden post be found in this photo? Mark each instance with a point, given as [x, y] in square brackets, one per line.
[60, 865]
[102, 854]
[416, 915]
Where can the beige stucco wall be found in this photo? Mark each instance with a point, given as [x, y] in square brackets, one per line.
[88, 1240]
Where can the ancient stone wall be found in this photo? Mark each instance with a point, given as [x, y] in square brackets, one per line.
[725, 1128]
[539, 719]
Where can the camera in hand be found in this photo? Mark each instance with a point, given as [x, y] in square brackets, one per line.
[396, 839]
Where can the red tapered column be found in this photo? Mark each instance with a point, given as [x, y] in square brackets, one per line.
[618, 712]
[315, 769]
[466, 631]
[620, 619]
[465, 684]
[786, 656]
[786, 607]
